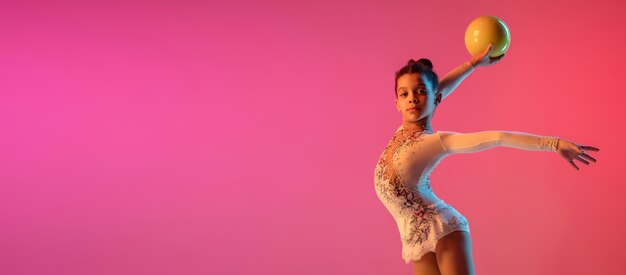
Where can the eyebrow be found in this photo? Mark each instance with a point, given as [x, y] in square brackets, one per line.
[418, 84]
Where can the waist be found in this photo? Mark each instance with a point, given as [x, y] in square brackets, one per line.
[421, 186]
[427, 194]
[422, 183]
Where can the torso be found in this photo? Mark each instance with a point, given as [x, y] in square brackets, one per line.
[402, 184]
[409, 158]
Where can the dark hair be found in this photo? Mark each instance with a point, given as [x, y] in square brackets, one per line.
[422, 66]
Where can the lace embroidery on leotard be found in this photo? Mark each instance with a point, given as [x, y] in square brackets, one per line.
[394, 191]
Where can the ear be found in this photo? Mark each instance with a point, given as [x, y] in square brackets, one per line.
[438, 98]
[397, 107]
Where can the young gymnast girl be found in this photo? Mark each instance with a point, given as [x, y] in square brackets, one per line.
[435, 236]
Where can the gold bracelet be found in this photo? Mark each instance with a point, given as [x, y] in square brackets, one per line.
[548, 143]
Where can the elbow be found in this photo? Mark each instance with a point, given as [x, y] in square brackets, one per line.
[501, 137]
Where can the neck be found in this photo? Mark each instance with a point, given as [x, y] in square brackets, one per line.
[420, 125]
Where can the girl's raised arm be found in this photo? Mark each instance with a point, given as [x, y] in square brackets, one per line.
[454, 143]
[452, 79]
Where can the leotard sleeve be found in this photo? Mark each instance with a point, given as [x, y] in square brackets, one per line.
[454, 143]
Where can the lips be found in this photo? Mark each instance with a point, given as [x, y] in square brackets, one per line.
[412, 109]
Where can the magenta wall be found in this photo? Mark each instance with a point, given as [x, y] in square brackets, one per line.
[241, 137]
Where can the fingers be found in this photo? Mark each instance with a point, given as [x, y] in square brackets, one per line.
[485, 54]
[588, 157]
[494, 60]
[582, 160]
[582, 156]
[499, 57]
[489, 48]
[591, 148]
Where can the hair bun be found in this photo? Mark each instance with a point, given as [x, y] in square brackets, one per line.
[426, 62]
[422, 62]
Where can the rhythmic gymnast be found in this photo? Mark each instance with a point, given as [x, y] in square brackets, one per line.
[435, 236]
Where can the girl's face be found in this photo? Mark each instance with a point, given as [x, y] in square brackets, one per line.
[416, 99]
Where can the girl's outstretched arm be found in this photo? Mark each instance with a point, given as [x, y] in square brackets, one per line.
[454, 143]
[452, 79]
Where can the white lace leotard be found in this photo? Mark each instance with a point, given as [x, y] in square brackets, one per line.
[401, 180]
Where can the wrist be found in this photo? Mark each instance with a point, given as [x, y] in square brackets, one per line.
[548, 143]
[554, 144]
[473, 63]
[469, 65]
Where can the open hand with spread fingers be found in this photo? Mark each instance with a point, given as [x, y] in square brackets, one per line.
[571, 151]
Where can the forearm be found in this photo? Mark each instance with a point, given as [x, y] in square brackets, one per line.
[454, 143]
[526, 141]
[453, 78]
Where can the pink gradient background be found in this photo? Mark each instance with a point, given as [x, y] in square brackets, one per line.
[229, 137]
